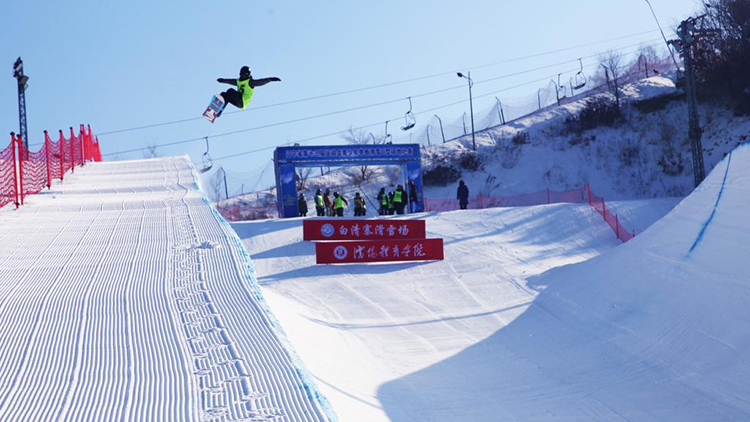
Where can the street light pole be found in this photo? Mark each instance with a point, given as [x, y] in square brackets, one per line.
[471, 106]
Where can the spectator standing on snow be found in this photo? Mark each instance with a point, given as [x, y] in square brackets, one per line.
[413, 198]
[302, 205]
[328, 203]
[462, 195]
[391, 206]
[360, 207]
[319, 204]
[383, 202]
[338, 204]
[399, 200]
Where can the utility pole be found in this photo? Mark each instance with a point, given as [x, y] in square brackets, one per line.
[22, 85]
[688, 33]
[226, 188]
[442, 132]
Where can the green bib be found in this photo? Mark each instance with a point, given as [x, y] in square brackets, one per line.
[338, 203]
[319, 200]
[397, 196]
[246, 91]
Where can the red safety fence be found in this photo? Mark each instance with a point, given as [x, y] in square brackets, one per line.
[33, 170]
[612, 219]
[547, 196]
[242, 212]
[575, 196]
[24, 173]
[8, 182]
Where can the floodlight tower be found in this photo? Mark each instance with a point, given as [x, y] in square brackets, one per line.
[22, 85]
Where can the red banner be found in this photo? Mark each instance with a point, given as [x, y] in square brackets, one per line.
[379, 251]
[335, 229]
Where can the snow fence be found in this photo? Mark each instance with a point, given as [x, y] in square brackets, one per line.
[24, 173]
[542, 197]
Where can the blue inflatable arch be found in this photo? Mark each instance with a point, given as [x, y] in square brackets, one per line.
[287, 159]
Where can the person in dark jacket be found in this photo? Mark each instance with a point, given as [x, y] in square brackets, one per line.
[462, 195]
[399, 200]
[328, 203]
[241, 96]
[391, 205]
[383, 202]
[302, 205]
[413, 198]
[360, 207]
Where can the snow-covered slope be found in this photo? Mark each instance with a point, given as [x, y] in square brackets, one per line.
[655, 330]
[124, 297]
[362, 328]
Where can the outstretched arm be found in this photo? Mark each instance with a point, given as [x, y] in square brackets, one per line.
[263, 81]
[227, 81]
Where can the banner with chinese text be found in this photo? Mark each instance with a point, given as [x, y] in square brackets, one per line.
[379, 251]
[334, 229]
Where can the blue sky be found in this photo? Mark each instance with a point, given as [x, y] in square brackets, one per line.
[118, 65]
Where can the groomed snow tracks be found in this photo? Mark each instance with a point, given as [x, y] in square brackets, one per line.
[125, 297]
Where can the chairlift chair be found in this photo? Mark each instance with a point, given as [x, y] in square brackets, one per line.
[387, 138]
[580, 78]
[207, 162]
[409, 120]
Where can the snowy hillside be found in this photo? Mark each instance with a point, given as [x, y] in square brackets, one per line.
[504, 329]
[646, 155]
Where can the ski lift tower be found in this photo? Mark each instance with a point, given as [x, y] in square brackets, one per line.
[688, 33]
[22, 85]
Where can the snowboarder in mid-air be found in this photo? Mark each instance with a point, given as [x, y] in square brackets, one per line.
[239, 97]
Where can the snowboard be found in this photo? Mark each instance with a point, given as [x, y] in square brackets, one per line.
[215, 108]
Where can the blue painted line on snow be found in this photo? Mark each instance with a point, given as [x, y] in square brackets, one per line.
[716, 206]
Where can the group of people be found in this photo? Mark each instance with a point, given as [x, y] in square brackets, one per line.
[395, 202]
[332, 205]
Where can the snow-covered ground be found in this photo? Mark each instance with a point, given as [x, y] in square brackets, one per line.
[125, 297]
[364, 329]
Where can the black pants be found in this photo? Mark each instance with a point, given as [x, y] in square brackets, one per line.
[321, 211]
[339, 212]
[233, 97]
[463, 206]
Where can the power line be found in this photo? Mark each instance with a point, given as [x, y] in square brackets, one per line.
[376, 86]
[366, 106]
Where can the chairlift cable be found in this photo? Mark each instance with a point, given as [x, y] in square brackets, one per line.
[351, 91]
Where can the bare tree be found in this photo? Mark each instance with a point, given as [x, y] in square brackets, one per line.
[301, 177]
[360, 137]
[613, 65]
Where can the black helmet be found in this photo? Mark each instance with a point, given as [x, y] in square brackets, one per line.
[335, 194]
[245, 72]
